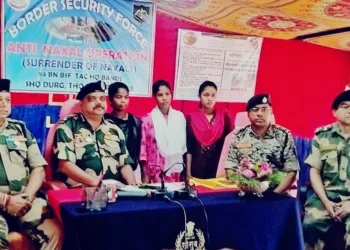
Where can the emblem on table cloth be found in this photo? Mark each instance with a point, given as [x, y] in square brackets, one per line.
[192, 239]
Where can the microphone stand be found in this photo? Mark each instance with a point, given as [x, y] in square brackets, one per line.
[186, 192]
[162, 193]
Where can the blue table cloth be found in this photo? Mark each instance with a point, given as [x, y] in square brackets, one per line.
[241, 223]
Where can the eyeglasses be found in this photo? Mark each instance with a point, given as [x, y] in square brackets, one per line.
[344, 106]
[262, 109]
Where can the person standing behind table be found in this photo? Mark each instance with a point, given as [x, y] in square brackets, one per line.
[206, 132]
[163, 142]
[118, 93]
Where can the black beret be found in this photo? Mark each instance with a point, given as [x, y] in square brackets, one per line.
[5, 85]
[91, 87]
[258, 99]
[342, 97]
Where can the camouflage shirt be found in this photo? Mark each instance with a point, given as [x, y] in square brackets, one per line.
[277, 148]
[331, 155]
[92, 151]
[19, 155]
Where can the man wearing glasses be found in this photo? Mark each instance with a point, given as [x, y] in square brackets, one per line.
[329, 163]
[262, 141]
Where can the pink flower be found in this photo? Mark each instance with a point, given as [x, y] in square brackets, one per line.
[245, 162]
[248, 173]
[265, 167]
[265, 172]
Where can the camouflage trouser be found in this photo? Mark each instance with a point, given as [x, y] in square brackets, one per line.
[318, 226]
[38, 224]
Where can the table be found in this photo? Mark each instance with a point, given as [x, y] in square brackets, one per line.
[242, 223]
[58, 197]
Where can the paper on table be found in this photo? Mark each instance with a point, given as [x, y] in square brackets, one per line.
[112, 183]
[170, 186]
[131, 188]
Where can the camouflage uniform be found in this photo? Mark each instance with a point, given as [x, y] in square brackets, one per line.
[277, 148]
[92, 151]
[330, 154]
[19, 155]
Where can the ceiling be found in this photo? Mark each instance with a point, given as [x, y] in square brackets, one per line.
[323, 22]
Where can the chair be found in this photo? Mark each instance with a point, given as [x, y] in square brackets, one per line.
[241, 120]
[68, 107]
[19, 241]
[303, 148]
[224, 153]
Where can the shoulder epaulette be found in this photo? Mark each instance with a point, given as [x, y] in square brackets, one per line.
[22, 125]
[110, 120]
[16, 121]
[64, 119]
[324, 129]
[240, 130]
[283, 129]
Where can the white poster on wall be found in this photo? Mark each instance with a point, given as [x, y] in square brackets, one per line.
[231, 62]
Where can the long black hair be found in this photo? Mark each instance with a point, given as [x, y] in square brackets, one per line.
[202, 88]
[156, 86]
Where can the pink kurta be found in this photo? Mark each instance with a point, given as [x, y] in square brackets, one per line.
[150, 153]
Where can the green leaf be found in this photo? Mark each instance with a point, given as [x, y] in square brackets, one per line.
[275, 178]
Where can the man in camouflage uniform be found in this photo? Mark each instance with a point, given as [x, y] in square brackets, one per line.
[264, 142]
[21, 176]
[88, 146]
[329, 163]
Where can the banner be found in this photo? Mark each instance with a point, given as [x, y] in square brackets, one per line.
[58, 46]
[231, 62]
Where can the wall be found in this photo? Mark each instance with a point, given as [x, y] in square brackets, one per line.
[302, 79]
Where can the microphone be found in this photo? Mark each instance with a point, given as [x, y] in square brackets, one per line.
[184, 193]
[162, 193]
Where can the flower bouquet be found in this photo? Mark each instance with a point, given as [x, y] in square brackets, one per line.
[255, 178]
